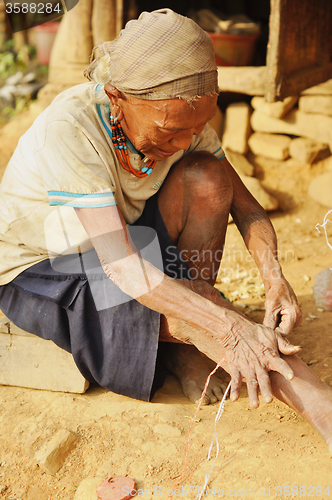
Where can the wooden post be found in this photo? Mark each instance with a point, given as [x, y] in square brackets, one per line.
[105, 20]
[83, 27]
[72, 46]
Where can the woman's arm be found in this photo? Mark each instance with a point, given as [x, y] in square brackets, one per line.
[281, 305]
[251, 349]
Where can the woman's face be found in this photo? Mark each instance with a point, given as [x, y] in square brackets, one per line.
[159, 129]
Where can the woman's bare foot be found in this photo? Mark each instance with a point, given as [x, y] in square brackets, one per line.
[192, 369]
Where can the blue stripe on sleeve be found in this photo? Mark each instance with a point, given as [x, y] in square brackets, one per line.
[78, 195]
[217, 151]
[222, 155]
[80, 205]
[77, 200]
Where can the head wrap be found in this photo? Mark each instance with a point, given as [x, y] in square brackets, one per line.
[161, 55]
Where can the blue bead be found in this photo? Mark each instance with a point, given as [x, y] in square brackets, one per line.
[149, 171]
[144, 169]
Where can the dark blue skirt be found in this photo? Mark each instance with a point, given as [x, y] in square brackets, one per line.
[115, 345]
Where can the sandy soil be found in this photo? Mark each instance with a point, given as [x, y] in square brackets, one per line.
[270, 447]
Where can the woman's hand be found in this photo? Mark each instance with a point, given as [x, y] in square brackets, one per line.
[250, 354]
[282, 310]
[250, 350]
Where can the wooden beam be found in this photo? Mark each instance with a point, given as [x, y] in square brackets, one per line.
[249, 80]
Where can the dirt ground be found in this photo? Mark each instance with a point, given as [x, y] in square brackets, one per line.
[264, 450]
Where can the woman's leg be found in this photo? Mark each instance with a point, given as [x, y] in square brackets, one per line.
[194, 203]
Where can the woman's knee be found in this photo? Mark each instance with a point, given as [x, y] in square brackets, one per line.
[205, 178]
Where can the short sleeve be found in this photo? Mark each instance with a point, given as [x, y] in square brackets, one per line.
[72, 169]
[207, 140]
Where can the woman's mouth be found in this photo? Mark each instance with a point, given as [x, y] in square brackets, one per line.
[165, 153]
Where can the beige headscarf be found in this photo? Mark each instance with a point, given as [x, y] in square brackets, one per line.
[161, 55]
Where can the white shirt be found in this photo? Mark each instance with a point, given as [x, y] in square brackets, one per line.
[66, 159]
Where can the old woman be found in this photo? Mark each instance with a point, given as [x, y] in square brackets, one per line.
[114, 209]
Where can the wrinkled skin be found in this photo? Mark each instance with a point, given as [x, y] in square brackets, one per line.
[250, 350]
[159, 129]
[281, 308]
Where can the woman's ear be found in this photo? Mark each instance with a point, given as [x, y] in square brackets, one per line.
[114, 96]
[112, 93]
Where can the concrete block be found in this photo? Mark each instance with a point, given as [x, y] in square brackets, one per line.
[237, 127]
[270, 145]
[240, 163]
[52, 455]
[306, 150]
[276, 109]
[217, 122]
[320, 189]
[29, 361]
[267, 201]
[316, 104]
[313, 126]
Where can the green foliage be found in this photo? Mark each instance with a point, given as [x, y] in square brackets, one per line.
[7, 62]
[42, 72]
[21, 104]
[12, 61]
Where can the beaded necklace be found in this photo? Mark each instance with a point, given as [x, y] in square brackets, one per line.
[119, 143]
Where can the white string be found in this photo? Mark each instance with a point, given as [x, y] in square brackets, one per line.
[326, 220]
[214, 439]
